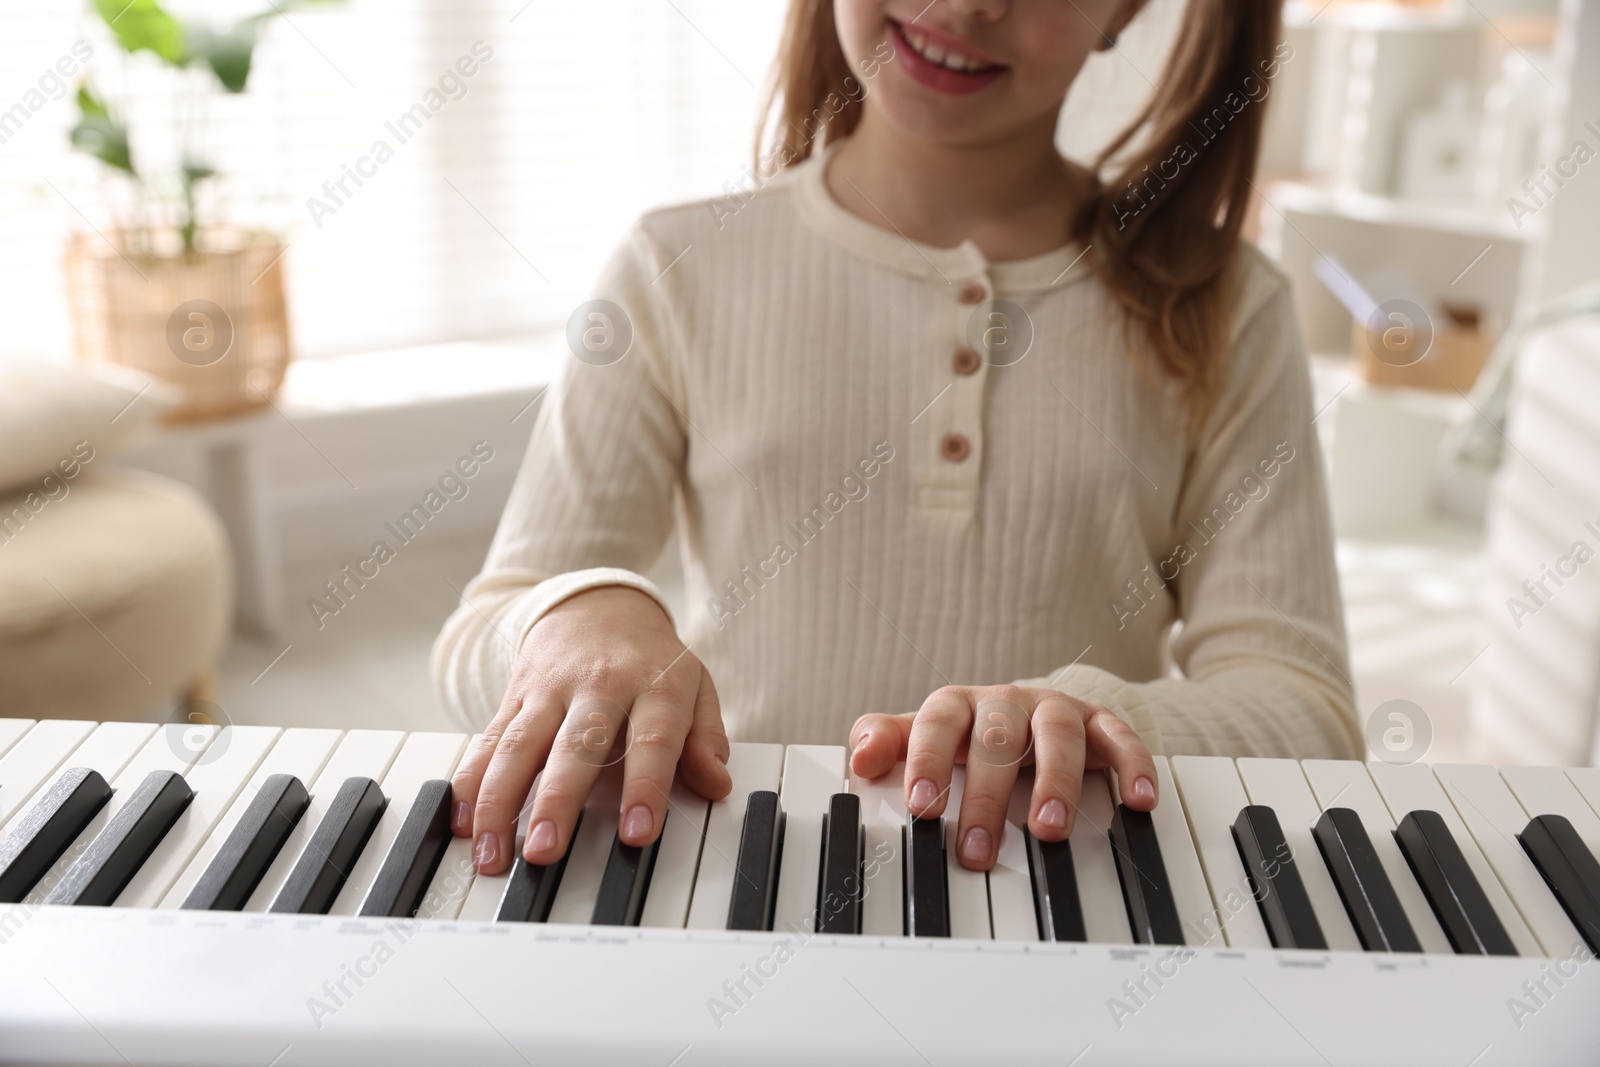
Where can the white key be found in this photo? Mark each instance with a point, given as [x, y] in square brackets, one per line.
[34, 759]
[11, 731]
[1486, 804]
[1196, 911]
[811, 774]
[423, 756]
[752, 767]
[1105, 914]
[883, 818]
[163, 751]
[1587, 782]
[591, 850]
[361, 753]
[299, 751]
[1548, 791]
[1213, 796]
[1015, 916]
[1414, 788]
[968, 890]
[677, 856]
[452, 882]
[1346, 784]
[1280, 785]
[216, 778]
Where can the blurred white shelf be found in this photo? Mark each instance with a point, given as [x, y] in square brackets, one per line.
[1376, 15]
[1396, 211]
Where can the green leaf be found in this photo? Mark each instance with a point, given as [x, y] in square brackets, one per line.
[89, 105]
[144, 25]
[228, 54]
[101, 135]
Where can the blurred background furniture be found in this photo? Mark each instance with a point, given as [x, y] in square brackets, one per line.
[1538, 698]
[115, 584]
[114, 603]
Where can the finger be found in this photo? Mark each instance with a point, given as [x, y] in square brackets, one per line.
[704, 762]
[999, 741]
[878, 742]
[582, 747]
[1058, 745]
[517, 757]
[1113, 743]
[658, 723]
[468, 778]
[938, 733]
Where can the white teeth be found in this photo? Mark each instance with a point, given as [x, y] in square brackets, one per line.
[934, 54]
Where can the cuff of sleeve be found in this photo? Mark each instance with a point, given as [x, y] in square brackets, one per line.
[534, 604]
[1096, 686]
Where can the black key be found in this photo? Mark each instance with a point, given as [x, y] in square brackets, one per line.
[1570, 870]
[755, 873]
[1152, 909]
[1056, 906]
[324, 866]
[1453, 892]
[241, 863]
[625, 883]
[403, 878]
[49, 829]
[531, 889]
[1275, 880]
[114, 856]
[927, 880]
[1369, 898]
[839, 884]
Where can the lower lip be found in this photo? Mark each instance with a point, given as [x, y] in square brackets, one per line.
[938, 77]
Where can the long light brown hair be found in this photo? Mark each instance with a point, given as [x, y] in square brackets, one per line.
[1173, 189]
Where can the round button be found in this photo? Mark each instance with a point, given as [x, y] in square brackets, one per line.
[955, 447]
[967, 361]
[972, 294]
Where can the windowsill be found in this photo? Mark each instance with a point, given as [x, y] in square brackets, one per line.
[436, 373]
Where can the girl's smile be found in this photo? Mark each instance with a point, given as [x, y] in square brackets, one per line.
[941, 62]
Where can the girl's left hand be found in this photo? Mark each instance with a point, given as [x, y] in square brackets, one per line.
[995, 730]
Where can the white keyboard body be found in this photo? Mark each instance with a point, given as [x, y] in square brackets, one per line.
[152, 984]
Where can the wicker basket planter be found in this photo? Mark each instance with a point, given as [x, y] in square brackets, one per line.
[211, 321]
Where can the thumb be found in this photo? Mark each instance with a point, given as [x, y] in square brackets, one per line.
[878, 742]
[704, 763]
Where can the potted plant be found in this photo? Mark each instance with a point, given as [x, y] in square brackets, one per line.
[187, 299]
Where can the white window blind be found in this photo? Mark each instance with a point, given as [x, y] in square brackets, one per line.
[494, 203]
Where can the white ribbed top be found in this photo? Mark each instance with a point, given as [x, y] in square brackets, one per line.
[788, 398]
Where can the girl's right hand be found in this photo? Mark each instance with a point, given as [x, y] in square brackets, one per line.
[601, 666]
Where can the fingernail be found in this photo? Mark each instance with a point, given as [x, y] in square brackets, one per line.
[975, 846]
[543, 836]
[485, 851]
[923, 793]
[1053, 814]
[638, 822]
[1144, 789]
[463, 817]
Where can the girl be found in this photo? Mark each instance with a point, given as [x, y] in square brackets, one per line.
[935, 410]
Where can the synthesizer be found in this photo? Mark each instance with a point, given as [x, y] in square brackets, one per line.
[173, 894]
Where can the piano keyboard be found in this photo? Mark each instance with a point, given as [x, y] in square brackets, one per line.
[267, 889]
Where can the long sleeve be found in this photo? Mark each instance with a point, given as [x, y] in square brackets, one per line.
[1261, 642]
[592, 502]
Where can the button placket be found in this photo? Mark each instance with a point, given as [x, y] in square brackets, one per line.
[952, 443]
